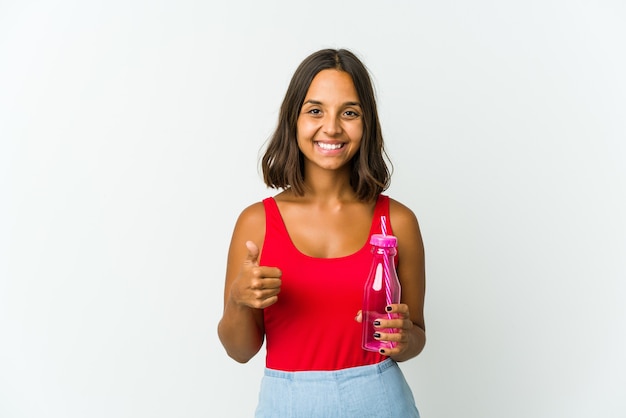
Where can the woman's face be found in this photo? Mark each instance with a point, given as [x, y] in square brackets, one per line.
[330, 123]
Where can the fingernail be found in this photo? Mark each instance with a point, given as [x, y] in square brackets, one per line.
[388, 308]
[377, 335]
[376, 323]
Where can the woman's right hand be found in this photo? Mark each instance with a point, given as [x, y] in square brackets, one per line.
[255, 286]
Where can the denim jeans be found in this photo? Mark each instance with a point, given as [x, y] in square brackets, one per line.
[376, 391]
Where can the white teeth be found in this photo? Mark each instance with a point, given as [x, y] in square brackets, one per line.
[329, 146]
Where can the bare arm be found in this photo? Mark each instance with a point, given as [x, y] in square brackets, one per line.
[248, 289]
[411, 337]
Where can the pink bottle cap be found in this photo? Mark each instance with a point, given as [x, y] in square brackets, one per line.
[385, 241]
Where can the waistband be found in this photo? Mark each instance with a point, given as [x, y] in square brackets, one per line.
[350, 372]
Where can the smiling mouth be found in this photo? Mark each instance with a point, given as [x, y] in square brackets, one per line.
[329, 147]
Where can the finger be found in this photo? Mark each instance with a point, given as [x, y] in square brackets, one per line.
[265, 272]
[359, 316]
[253, 253]
[398, 308]
[262, 304]
[392, 348]
[391, 351]
[266, 283]
[396, 337]
[398, 323]
[264, 294]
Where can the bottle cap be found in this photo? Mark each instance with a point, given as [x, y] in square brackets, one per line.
[385, 241]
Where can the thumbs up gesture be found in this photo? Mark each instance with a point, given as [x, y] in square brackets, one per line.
[256, 286]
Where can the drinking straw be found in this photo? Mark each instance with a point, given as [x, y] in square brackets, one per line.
[386, 267]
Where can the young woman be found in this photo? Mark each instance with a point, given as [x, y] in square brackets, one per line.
[298, 261]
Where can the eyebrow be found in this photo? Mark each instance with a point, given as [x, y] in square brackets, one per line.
[317, 102]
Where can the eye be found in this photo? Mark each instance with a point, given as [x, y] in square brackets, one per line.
[351, 114]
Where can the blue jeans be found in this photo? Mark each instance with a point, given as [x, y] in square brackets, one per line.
[375, 391]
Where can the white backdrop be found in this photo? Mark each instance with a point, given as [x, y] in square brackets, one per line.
[129, 139]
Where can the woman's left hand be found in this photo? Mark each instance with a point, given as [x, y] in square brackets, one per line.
[396, 330]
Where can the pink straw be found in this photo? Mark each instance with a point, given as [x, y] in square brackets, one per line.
[386, 267]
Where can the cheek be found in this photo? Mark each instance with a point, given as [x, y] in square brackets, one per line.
[300, 128]
[356, 133]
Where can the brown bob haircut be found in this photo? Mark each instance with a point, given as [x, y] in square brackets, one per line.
[283, 163]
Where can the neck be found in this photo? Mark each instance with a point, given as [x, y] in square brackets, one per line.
[326, 185]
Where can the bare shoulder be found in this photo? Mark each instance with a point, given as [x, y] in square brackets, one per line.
[401, 215]
[404, 224]
[251, 224]
[252, 214]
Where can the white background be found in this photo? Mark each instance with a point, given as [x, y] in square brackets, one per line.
[130, 133]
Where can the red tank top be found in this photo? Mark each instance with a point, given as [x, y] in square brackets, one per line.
[312, 325]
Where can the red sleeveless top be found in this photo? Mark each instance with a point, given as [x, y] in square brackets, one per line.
[312, 325]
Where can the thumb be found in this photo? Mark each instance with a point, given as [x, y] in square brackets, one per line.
[253, 253]
[359, 316]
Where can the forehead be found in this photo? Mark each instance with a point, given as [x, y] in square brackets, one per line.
[332, 83]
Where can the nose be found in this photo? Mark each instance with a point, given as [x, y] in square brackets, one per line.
[332, 125]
